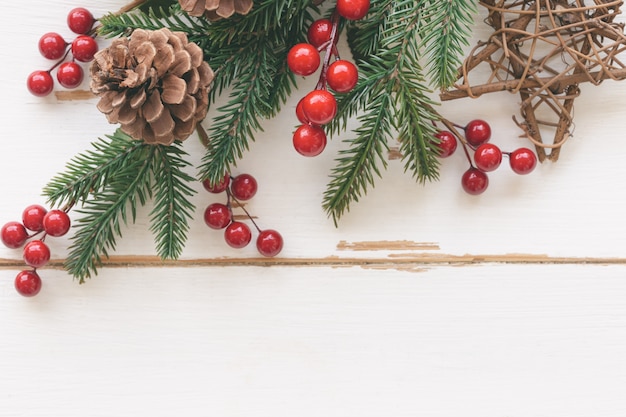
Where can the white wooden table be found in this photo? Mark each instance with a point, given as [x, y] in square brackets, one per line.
[423, 302]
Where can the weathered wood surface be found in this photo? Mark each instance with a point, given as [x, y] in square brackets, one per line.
[424, 301]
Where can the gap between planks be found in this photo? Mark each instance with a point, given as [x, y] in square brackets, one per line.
[409, 262]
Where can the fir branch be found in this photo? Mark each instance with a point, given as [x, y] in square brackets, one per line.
[153, 18]
[253, 67]
[391, 95]
[101, 216]
[358, 163]
[444, 35]
[87, 173]
[239, 119]
[172, 208]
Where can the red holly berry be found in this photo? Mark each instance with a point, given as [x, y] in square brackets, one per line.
[28, 283]
[243, 187]
[32, 217]
[319, 32]
[303, 59]
[487, 157]
[319, 107]
[447, 143]
[237, 235]
[342, 76]
[14, 235]
[36, 253]
[84, 48]
[217, 216]
[80, 20]
[477, 132]
[219, 187]
[474, 181]
[52, 45]
[40, 83]
[56, 223]
[300, 113]
[269, 243]
[523, 161]
[70, 74]
[353, 9]
[309, 140]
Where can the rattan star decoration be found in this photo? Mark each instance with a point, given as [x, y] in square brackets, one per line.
[542, 50]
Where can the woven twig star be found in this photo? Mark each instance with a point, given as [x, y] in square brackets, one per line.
[543, 50]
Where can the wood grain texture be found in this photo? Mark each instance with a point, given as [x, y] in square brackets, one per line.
[423, 302]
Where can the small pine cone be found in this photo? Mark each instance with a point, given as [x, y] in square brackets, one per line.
[155, 84]
[216, 9]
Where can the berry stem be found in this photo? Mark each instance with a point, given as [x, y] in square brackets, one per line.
[232, 197]
[60, 61]
[453, 127]
[331, 50]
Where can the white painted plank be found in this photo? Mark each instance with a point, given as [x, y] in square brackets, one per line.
[484, 341]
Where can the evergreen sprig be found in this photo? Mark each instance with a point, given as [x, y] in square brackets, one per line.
[108, 184]
[444, 32]
[392, 97]
[249, 59]
[172, 208]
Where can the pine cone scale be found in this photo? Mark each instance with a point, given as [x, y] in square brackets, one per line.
[185, 110]
[216, 9]
[174, 90]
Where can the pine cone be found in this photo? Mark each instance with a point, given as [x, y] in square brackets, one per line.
[216, 9]
[154, 84]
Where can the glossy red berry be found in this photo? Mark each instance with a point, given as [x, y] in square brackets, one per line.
[14, 235]
[353, 9]
[487, 157]
[80, 20]
[217, 216]
[474, 181]
[477, 132]
[40, 83]
[219, 187]
[52, 45]
[309, 140]
[447, 143]
[319, 32]
[269, 243]
[70, 74]
[56, 223]
[342, 76]
[523, 161]
[36, 253]
[319, 107]
[237, 235]
[300, 113]
[243, 187]
[32, 217]
[84, 48]
[28, 283]
[303, 59]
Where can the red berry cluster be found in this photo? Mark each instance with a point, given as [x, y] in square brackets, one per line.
[42, 223]
[52, 46]
[487, 156]
[319, 106]
[238, 234]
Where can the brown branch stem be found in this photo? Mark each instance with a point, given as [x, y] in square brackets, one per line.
[511, 85]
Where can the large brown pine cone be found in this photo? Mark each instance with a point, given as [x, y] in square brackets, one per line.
[154, 84]
[216, 9]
